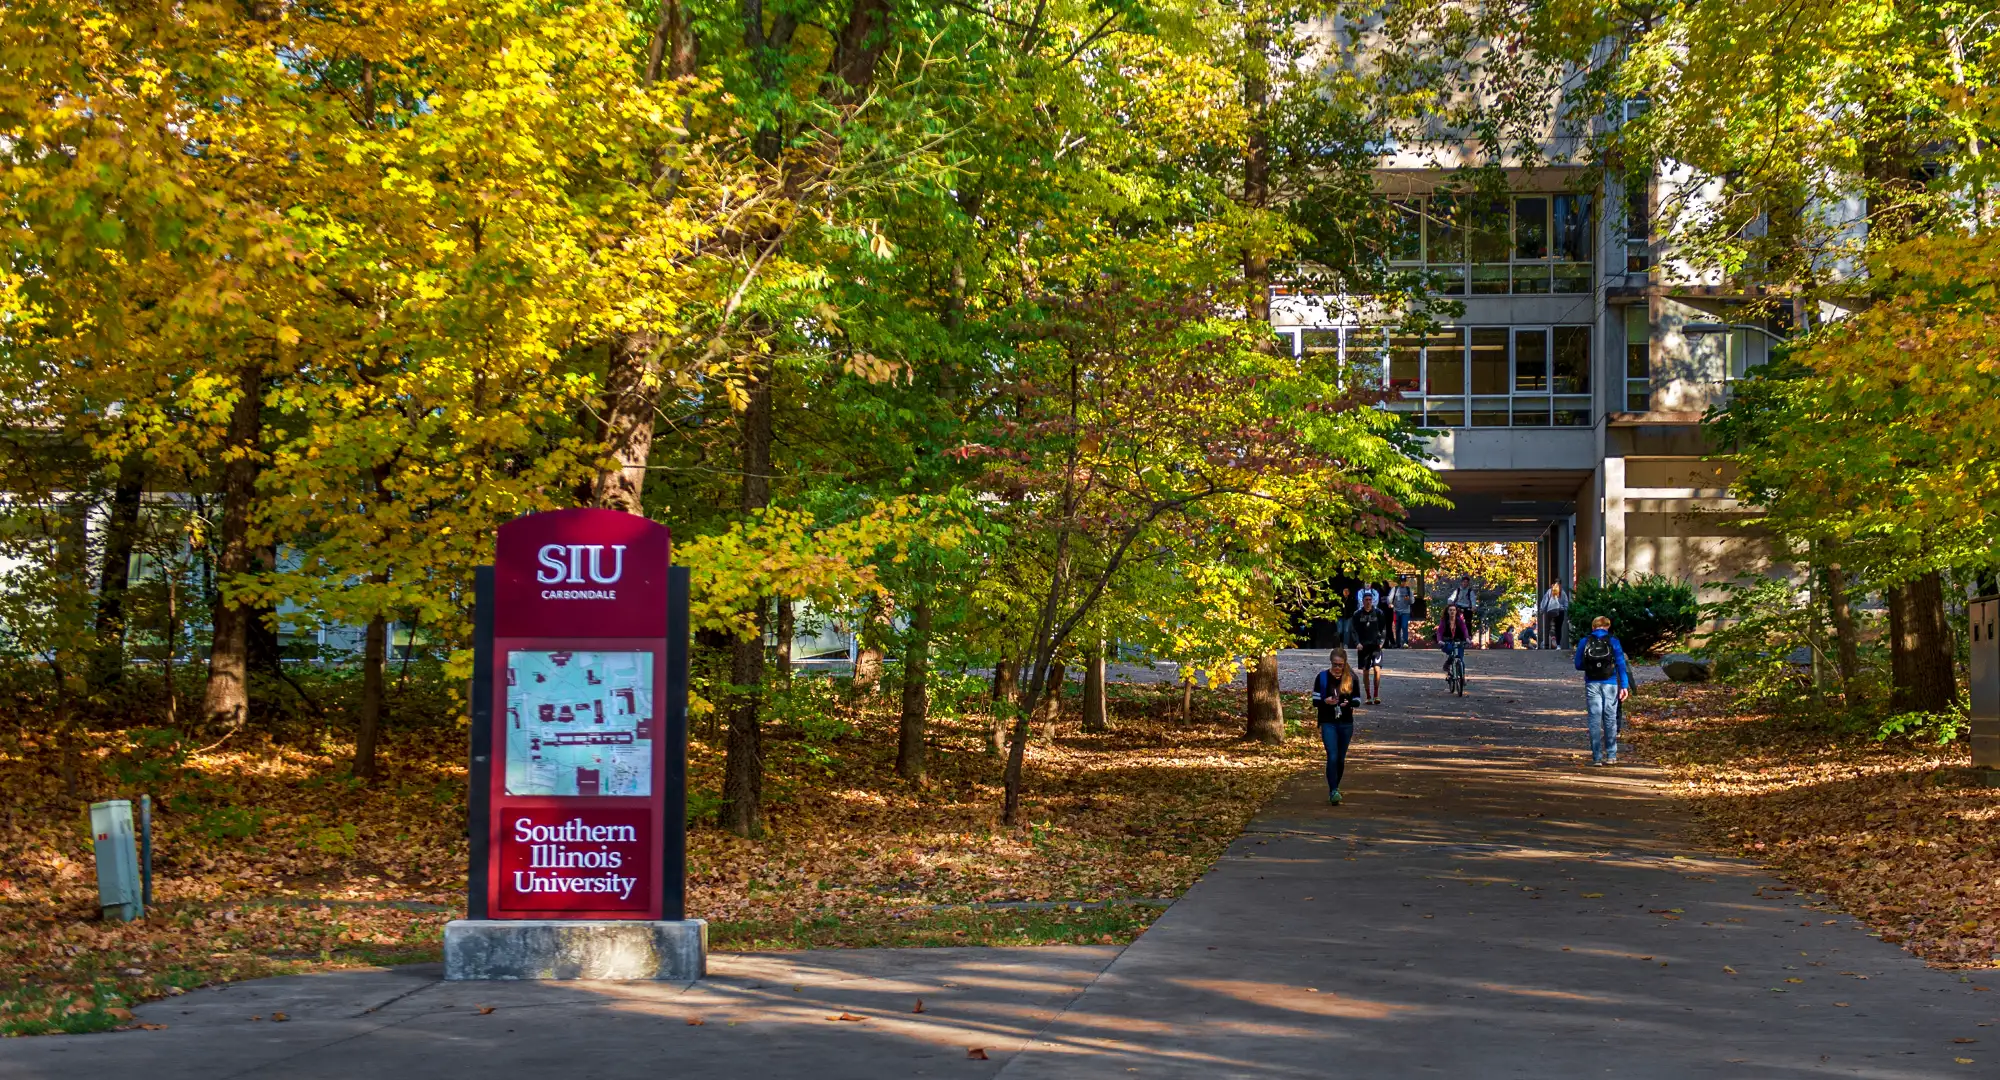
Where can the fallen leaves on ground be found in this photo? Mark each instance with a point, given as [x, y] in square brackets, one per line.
[1893, 832]
[270, 859]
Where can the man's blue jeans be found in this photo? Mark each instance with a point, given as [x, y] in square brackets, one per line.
[1337, 737]
[1600, 701]
[1403, 629]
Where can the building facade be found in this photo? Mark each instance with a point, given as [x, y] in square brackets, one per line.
[1567, 397]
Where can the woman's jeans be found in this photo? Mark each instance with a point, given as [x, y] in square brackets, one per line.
[1600, 701]
[1555, 638]
[1336, 737]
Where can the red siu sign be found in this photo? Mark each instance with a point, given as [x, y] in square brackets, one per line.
[579, 750]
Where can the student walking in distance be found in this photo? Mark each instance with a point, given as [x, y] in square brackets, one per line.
[1554, 608]
[1371, 633]
[1335, 694]
[1401, 598]
[1343, 612]
[1466, 595]
[1606, 683]
[1453, 631]
[1367, 591]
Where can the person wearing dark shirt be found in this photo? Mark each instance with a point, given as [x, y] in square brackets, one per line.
[1453, 631]
[1334, 695]
[1371, 632]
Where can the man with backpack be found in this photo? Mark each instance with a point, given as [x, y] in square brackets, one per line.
[1371, 632]
[1606, 684]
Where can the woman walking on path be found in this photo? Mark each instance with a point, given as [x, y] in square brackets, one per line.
[1555, 608]
[1335, 693]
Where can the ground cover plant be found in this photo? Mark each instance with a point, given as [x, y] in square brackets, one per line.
[1892, 830]
[272, 859]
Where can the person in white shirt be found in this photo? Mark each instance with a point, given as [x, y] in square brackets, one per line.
[1554, 609]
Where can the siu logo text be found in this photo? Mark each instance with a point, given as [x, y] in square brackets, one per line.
[576, 564]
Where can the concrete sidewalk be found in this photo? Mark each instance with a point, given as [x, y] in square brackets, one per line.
[1483, 906]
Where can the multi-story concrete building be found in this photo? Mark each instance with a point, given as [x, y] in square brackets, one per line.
[1567, 398]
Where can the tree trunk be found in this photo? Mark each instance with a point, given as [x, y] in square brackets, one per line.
[262, 648]
[114, 578]
[1006, 674]
[868, 648]
[1265, 714]
[1847, 652]
[1050, 710]
[743, 767]
[1266, 708]
[1096, 709]
[173, 636]
[1920, 648]
[787, 629]
[631, 400]
[1187, 700]
[226, 700]
[916, 694]
[374, 657]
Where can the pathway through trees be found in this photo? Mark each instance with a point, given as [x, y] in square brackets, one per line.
[1484, 905]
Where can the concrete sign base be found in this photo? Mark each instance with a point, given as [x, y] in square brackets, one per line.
[619, 949]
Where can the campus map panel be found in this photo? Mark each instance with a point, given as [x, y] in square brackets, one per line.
[579, 722]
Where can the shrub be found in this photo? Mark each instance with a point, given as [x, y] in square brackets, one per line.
[1646, 612]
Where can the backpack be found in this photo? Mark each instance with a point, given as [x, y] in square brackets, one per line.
[1600, 663]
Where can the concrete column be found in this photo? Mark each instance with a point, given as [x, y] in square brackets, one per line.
[1613, 471]
[1590, 528]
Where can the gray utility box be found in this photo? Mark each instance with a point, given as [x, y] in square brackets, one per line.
[1986, 685]
[118, 885]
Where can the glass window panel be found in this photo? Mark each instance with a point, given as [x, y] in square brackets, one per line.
[1486, 235]
[1444, 363]
[1572, 412]
[1572, 360]
[1571, 231]
[1638, 395]
[1447, 280]
[1406, 245]
[1489, 360]
[1489, 412]
[1445, 414]
[1531, 412]
[1321, 342]
[1531, 227]
[1444, 239]
[1571, 278]
[1406, 363]
[1531, 361]
[1529, 278]
[1491, 278]
[1638, 211]
[1638, 222]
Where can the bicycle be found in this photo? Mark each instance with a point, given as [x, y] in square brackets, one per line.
[1454, 672]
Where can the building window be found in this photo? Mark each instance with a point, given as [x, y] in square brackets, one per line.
[1525, 244]
[1638, 360]
[1471, 376]
[1407, 245]
[1638, 222]
[1570, 369]
[1572, 243]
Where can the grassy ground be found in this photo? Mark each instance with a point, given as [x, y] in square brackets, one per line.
[271, 860]
[1894, 832]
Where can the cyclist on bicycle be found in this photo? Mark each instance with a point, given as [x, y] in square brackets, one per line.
[1453, 631]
